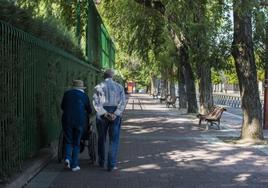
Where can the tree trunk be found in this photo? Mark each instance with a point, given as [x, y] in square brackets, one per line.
[163, 87]
[243, 53]
[172, 88]
[182, 91]
[201, 60]
[189, 80]
[205, 89]
[153, 85]
[265, 108]
[190, 89]
[187, 72]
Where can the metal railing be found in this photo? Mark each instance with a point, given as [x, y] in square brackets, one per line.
[229, 100]
[34, 76]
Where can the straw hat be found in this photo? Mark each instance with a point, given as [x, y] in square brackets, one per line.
[78, 84]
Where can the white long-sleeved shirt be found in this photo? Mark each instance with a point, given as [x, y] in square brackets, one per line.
[109, 93]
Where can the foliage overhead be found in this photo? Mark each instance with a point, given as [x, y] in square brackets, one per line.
[141, 31]
[48, 29]
[140, 34]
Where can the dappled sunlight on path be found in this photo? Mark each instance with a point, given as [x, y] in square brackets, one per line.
[165, 148]
[182, 150]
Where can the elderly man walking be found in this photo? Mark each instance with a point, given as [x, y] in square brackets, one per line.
[109, 102]
[76, 109]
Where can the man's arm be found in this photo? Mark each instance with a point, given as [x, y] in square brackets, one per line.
[98, 101]
[88, 106]
[122, 103]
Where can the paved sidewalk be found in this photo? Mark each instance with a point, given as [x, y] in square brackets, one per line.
[165, 148]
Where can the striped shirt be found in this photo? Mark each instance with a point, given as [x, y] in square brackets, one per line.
[109, 93]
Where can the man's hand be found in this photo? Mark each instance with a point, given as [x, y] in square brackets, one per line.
[110, 116]
[113, 116]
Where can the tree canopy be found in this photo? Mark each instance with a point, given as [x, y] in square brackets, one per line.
[183, 41]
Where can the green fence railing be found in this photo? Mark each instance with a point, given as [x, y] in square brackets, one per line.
[34, 76]
[100, 47]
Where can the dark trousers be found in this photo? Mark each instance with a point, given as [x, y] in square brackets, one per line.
[72, 136]
[113, 129]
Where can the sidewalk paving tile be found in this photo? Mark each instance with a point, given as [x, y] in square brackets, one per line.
[165, 148]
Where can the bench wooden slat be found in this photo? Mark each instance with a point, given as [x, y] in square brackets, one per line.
[213, 117]
[171, 101]
[216, 115]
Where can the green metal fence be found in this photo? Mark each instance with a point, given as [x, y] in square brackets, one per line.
[100, 47]
[93, 35]
[107, 49]
[34, 76]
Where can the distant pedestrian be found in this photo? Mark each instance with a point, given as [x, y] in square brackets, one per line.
[76, 109]
[109, 102]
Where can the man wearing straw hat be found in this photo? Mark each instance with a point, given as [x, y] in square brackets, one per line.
[109, 102]
[76, 109]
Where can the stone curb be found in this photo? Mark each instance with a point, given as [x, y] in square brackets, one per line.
[34, 167]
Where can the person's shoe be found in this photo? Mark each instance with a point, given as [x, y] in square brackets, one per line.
[76, 169]
[110, 169]
[101, 165]
[67, 163]
[82, 146]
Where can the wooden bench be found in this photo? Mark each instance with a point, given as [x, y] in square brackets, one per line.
[155, 95]
[171, 101]
[163, 98]
[213, 117]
